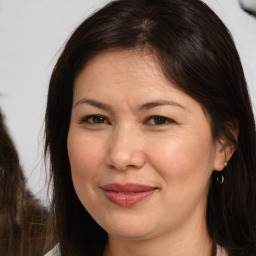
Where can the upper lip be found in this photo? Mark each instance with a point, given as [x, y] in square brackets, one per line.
[129, 187]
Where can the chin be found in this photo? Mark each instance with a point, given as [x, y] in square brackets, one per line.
[129, 234]
[133, 228]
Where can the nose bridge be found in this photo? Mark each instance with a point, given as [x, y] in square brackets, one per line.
[125, 148]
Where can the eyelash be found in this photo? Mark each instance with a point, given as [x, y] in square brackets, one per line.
[100, 119]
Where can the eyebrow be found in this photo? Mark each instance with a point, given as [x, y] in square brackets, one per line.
[154, 104]
[145, 106]
[93, 103]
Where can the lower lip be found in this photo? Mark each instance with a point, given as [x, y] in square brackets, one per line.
[127, 198]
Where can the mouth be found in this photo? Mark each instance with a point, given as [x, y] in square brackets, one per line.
[128, 194]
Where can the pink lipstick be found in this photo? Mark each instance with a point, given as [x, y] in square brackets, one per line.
[128, 194]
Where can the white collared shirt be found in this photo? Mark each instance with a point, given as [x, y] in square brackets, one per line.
[54, 251]
[221, 251]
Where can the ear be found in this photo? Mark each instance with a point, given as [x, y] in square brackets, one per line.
[225, 147]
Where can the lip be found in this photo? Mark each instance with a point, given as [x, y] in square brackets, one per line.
[128, 194]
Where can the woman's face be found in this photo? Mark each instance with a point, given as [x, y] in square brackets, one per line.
[141, 151]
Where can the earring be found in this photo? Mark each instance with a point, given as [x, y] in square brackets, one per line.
[220, 179]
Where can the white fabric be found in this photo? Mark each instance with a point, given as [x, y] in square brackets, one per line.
[53, 252]
[220, 251]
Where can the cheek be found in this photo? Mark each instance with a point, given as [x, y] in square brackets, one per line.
[86, 155]
[184, 166]
[183, 161]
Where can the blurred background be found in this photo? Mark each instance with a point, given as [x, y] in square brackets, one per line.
[32, 34]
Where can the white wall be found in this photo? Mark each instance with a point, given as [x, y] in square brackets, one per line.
[32, 32]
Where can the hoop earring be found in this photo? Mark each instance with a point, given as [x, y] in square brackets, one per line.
[220, 179]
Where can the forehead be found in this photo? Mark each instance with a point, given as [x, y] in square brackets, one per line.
[125, 72]
[130, 76]
[122, 65]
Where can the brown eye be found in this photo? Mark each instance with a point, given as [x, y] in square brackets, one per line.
[95, 119]
[159, 120]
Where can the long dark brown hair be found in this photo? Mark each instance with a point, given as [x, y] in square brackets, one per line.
[196, 53]
[23, 220]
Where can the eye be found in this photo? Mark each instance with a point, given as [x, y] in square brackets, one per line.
[94, 119]
[159, 120]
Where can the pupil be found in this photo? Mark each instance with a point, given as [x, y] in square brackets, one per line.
[98, 119]
[159, 120]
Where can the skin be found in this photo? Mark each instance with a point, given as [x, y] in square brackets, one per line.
[175, 154]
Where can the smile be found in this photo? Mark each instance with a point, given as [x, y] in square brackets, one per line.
[128, 194]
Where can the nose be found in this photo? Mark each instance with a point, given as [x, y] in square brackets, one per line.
[125, 150]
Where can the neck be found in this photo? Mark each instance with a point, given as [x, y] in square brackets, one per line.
[192, 242]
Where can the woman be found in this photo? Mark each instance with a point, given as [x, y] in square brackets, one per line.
[23, 220]
[151, 135]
